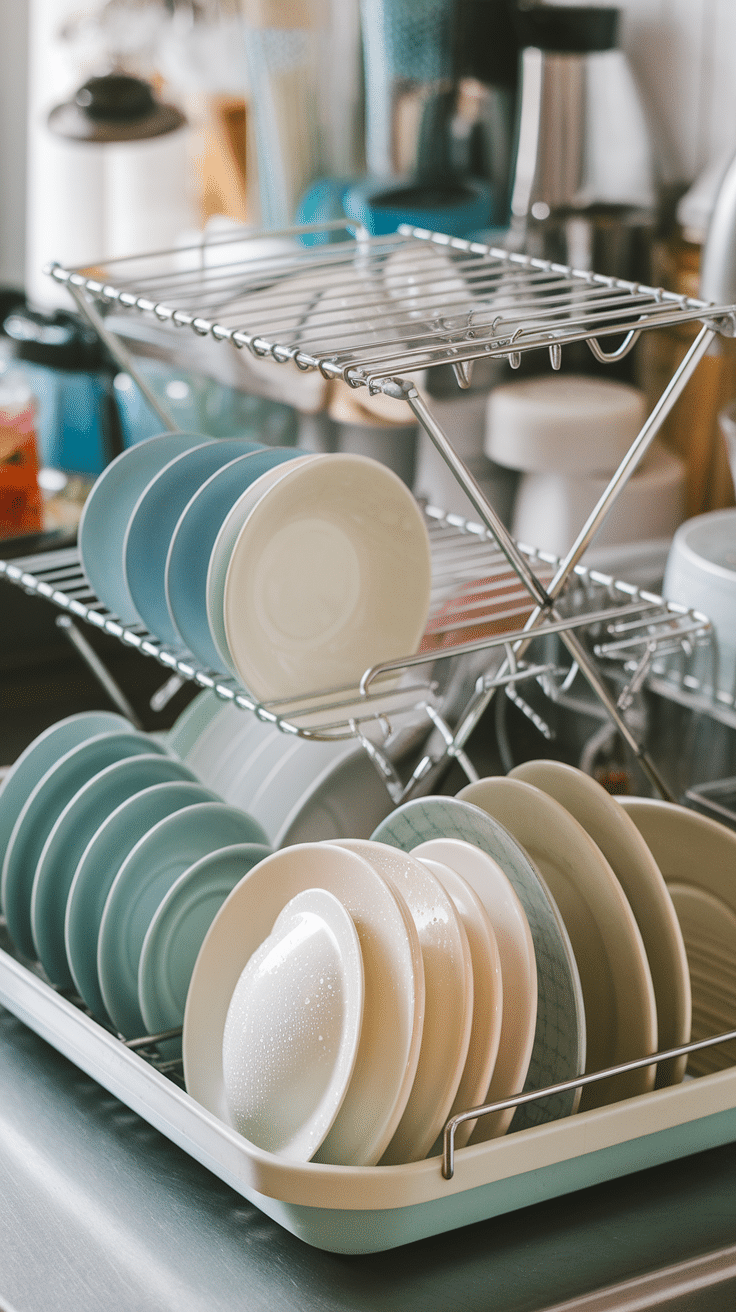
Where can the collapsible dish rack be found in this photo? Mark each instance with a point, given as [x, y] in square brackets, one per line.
[461, 301]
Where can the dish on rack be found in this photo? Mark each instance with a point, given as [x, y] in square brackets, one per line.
[192, 541]
[448, 985]
[293, 1027]
[106, 511]
[558, 1050]
[633, 864]
[330, 574]
[486, 1057]
[102, 858]
[39, 812]
[35, 759]
[189, 726]
[68, 838]
[177, 930]
[618, 994]
[153, 519]
[143, 879]
[701, 573]
[698, 856]
[393, 1013]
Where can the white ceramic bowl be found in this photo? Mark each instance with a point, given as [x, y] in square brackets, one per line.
[701, 574]
[330, 574]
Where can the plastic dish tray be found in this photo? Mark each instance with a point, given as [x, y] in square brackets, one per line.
[370, 1209]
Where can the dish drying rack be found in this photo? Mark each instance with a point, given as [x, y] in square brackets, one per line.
[518, 304]
[373, 312]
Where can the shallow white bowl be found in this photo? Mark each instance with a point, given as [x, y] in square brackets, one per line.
[701, 574]
[330, 574]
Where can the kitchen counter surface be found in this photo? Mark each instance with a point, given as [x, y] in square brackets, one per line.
[98, 1210]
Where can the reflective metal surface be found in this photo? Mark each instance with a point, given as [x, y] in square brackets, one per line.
[98, 1210]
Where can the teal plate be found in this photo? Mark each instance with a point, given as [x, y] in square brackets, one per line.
[97, 868]
[65, 845]
[558, 1053]
[178, 928]
[143, 879]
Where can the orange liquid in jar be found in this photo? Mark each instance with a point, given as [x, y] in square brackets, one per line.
[21, 508]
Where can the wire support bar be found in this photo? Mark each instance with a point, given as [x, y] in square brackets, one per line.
[566, 1086]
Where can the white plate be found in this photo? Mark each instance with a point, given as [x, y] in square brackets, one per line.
[105, 514]
[65, 845]
[709, 926]
[643, 883]
[177, 931]
[485, 1033]
[694, 850]
[293, 1026]
[330, 574]
[192, 541]
[393, 1013]
[220, 555]
[620, 1007]
[33, 762]
[558, 1051]
[448, 1010]
[39, 813]
[188, 727]
[518, 1011]
[143, 879]
[153, 519]
[99, 864]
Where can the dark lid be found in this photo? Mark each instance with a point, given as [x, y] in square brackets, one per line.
[59, 340]
[568, 29]
[114, 107]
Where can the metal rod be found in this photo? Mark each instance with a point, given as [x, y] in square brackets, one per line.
[565, 1086]
[100, 671]
[119, 354]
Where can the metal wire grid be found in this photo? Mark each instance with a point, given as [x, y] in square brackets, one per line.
[365, 308]
[478, 604]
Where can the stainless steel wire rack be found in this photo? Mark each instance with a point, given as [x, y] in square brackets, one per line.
[373, 311]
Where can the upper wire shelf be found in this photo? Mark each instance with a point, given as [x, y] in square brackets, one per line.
[364, 309]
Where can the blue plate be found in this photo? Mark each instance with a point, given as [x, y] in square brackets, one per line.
[559, 1041]
[153, 520]
[94, 875]
[72, 831]
[108, 507]
[192, 542]
[42, 753]
[177, 931]
[143, 879]
[40, 812]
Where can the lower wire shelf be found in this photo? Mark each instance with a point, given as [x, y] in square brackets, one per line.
[370, 1209]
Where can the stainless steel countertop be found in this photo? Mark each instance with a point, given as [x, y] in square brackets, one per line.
[98, 1210]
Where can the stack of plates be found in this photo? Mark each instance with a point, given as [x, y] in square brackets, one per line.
[98, 822]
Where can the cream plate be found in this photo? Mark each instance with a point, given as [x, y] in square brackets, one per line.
[709, 927]
[518, 972]
[222, 550]
[485, 1033]
[558, 1051]
[330, 574]
[448, 1013]
[643, 883]
[292, 1028]
[393, 1013]
[692, 849]
[620, 1007]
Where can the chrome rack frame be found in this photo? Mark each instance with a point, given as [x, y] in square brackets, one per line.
[373, 311]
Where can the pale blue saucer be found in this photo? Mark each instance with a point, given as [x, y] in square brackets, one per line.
[72, 831]
[142, 881]
[154, 518]
[97, 868]
[558, 1053]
